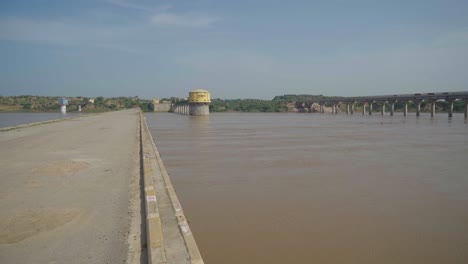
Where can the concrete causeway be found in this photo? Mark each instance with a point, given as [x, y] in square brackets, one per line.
[70, 193]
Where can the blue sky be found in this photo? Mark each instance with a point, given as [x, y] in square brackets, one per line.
[235, 49]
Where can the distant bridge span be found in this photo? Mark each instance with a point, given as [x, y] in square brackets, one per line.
[368, 101]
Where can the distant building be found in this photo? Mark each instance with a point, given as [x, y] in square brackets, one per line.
[91, 100]
[160, 106]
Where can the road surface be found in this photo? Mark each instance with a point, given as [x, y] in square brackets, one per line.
[65, 189]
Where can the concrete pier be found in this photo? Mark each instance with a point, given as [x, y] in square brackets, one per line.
[418, 108]
[370, 108]
[405, 111]
[352, 108]
[183, 109]
[433, 108]
[71, 193]
[383, 108]
[200, 109]
[334, 109]
[347, 109]
[63, 109]
[392, 109]
[450, 112]
[363, 108]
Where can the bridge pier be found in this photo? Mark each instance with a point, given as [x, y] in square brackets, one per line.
[79, 108]
[450, 113]
[418, 108]
[392, 109]
[347, 109]
[352, 108]
[383, 108]
[370, 108]
[336, 109]
[364, 108]
[433, 108]
[311, 107]
[405, 112]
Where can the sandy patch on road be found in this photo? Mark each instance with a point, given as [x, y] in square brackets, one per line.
[26, 223]
[61, 167]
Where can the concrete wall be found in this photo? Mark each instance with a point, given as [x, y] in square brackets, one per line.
[164, 107]
[199, 109]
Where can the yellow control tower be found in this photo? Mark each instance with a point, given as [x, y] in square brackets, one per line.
[199, 101]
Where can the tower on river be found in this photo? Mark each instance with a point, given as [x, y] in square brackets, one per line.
[199, 102]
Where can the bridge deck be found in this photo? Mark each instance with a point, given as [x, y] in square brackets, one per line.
[462, 95]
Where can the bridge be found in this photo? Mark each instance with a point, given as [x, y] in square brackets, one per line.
[369, 101]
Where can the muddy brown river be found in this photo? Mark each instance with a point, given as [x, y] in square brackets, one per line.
[311, 188]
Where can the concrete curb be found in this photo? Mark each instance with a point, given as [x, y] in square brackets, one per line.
[194, 253]
[154, 233]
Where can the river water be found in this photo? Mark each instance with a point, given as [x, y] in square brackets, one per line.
[311, 188]
[16, 118]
